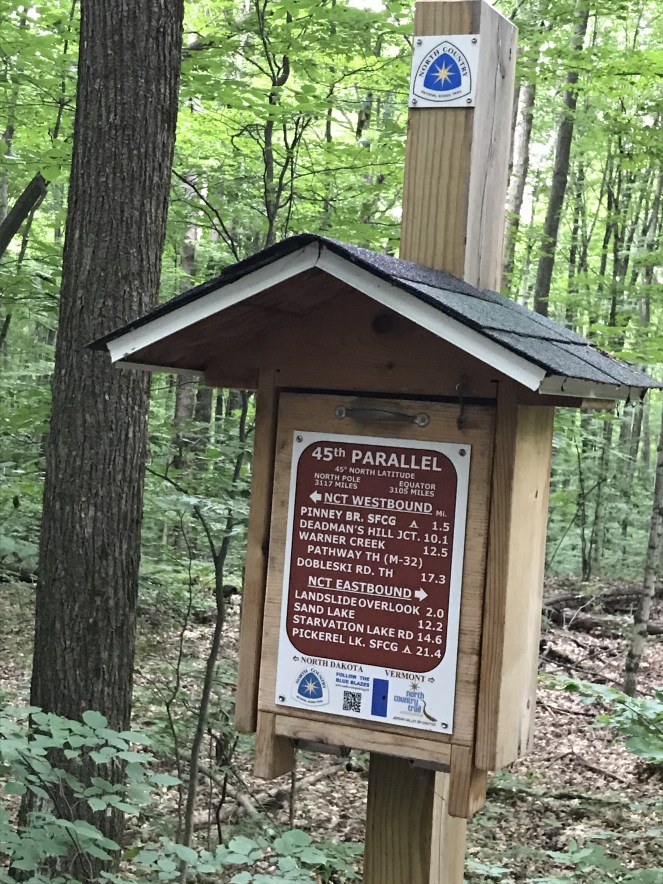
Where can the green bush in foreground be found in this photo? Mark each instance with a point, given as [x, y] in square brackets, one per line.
[50, 757]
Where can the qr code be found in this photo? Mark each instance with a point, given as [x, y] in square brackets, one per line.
[351, 701]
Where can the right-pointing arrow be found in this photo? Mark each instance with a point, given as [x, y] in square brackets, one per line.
[421, 595]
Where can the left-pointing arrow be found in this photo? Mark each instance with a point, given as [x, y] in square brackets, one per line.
[316, 496]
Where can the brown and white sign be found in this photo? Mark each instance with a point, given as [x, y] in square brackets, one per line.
[372, 578]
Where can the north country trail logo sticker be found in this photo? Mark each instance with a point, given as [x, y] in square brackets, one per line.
[444, 71]
[311, 688]
[414, 700]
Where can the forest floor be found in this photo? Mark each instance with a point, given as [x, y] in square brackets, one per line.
[580, 807]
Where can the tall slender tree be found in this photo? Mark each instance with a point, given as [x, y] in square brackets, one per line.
[126, 111]
[561, 167]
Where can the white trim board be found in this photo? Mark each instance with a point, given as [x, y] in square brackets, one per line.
[213, 302]
[558, 385]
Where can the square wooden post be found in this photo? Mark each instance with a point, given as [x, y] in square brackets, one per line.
[456, 177]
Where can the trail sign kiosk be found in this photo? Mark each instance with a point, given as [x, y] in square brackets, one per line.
[400, 477]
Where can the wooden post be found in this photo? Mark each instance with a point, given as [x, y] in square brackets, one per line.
[456, 176]
[457, 161]
[257, 549]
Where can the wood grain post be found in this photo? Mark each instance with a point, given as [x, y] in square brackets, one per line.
[457, 160]
[257, 550]
[456, 176]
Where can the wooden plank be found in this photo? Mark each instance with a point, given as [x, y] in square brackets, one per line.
[274, 755]
[301, 412]
[467, 784]
[377, 351]
[411, 837]
[491, 144]
[257, 547]
[447, 863]
[456, 168]
[514, 581]
[400, 816]
[410, 746]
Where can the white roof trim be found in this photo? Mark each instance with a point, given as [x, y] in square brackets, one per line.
[559, 385]
[445, 327]
[213, 302]
[144, 366]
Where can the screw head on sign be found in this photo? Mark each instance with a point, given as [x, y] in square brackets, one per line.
[462, 452]
[444, 725]
[282, 698]
[468, 101]
[299, 438]
[414, 101]
[419, 41]
[474, 40]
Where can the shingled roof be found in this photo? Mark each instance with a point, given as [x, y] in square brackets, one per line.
[485, 323]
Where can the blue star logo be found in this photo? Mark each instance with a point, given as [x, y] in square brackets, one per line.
[310, 687]
[443, 75]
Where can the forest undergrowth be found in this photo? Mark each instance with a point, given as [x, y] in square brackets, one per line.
[580, 807]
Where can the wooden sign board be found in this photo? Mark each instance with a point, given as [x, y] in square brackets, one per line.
[376, 571]
[372, 578]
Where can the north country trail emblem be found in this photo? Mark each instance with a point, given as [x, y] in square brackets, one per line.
[310, 687]
[444, 71]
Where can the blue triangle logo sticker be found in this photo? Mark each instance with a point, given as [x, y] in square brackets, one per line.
[443, 75]
[310, 687]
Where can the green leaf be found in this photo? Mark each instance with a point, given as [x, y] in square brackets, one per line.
[165, 780]
[242, 845]
[13, 788]
[188, 854]
[97, 803]
[94, 719]
[312, 856]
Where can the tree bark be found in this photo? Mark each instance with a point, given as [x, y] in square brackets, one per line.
[519, 169]
[641, 617]
[126, 110]
[26, 203]
[628, 474]
[560, 171]
[604, 475]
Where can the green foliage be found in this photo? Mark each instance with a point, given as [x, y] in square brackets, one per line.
[60, 762]
[592, 863]
[639, 719]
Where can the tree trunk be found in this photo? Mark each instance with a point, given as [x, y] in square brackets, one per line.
[629, 472]
[26, 203]
[126, 110]
[641, 617]
[597, 538]
[519, 169]
[560, 171]
[204, 402]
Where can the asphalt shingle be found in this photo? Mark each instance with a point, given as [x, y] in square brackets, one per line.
[553, 347]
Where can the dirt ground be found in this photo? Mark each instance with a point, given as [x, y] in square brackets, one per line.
[579, 807]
